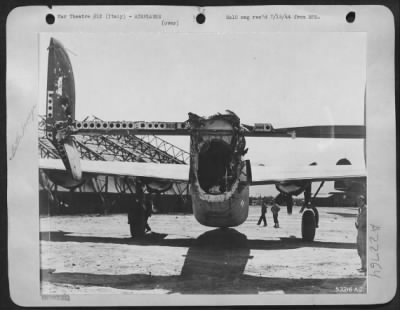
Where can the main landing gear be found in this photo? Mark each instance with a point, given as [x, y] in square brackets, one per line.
[308, 225]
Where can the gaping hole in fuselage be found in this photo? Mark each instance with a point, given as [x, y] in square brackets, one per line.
[215, 169]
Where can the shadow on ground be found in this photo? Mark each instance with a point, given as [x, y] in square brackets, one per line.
[207, 284]
[212, 237]
[343, 214]
[214, 264]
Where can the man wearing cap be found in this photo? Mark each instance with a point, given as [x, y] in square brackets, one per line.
[361, 225]
[263, 211]
[275, 210]
[148, 207]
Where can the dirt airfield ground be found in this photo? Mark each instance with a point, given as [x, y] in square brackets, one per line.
[95, 254]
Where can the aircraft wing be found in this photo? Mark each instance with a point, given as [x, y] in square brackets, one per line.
[176, 172]
[272, 175]
[172, 172]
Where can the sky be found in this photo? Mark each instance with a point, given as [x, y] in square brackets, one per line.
[286, 79]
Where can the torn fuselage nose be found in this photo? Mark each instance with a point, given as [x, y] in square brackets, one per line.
[219, 185]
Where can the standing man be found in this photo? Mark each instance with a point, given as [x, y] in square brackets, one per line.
[136, 213]
[361, 225]
[263, 212]
[275, 210]
[148, 210]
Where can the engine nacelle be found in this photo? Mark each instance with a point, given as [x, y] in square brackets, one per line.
[343, 185]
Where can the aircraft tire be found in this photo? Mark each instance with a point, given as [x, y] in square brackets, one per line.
[308, 226]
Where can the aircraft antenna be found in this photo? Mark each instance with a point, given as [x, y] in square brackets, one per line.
[70, 51]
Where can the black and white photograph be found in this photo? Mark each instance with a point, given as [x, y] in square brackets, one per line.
[195, 164]
[202, 162]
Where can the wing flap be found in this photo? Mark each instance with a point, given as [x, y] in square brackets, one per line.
[173, 172]
[272, 175]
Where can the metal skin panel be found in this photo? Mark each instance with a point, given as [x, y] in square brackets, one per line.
[273, 175]
[173, 172]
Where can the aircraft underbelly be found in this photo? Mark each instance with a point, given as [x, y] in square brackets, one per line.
[222, 213]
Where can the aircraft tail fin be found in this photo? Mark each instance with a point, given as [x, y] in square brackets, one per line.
[60, 85]
[60, 106]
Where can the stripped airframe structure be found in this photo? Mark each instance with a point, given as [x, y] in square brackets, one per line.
[218, 174]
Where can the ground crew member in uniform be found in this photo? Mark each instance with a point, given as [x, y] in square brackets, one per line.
[264, 209]
[148, 210]
[361, 225]
[275, 210]
[136, 211]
